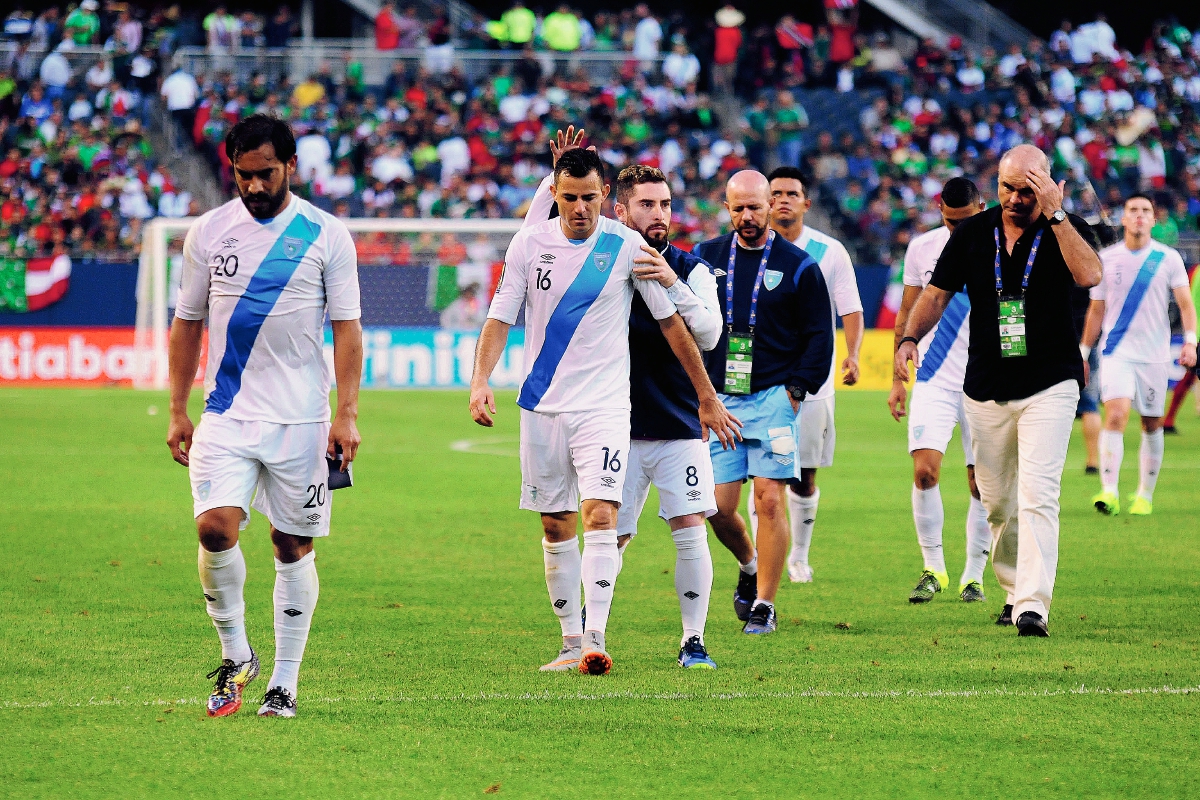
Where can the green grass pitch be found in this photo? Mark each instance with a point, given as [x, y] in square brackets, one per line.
[421, 674]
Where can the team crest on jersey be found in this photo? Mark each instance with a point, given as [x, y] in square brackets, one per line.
[203, 489]
[772, 278]
[602, 260]
[918, 430]
[292, 247]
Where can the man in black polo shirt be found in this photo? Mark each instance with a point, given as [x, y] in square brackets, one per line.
[1019, 263]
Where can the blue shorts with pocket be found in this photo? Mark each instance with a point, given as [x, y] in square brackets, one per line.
[769, 433]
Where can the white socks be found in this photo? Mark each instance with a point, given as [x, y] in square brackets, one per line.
[563, 569]
[223, 576]
[979, 542]
[1150, 458]
[929, 517]
[803, 514]
[752, 567]
[693, 578]
[296, 590]
[1112, 450]
[599, 572]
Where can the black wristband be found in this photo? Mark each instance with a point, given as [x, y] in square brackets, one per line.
[912, 339]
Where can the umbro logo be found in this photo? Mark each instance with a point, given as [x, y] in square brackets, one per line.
[809, 521]
[293, 612]
[559, 603]
[690, 595]
[209, 598]
[720, 273]
[693, 495]
[546, 257]
[229, 243]
[603, 584]
[607, 481]
[314, 517]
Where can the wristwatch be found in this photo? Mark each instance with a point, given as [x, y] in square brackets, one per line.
[797, 394]
[1058, 216]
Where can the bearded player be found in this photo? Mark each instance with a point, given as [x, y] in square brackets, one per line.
[263, 270]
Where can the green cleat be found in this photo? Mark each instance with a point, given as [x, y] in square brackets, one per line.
[1140, 506]
[971, 592]
[930, 584]
[1107, 503]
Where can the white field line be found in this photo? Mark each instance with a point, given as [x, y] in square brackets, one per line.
[552, 697]
[495, 446]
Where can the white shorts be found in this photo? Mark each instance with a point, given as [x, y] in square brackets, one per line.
[932, 414]
[1143, 383]
[817, 435]
[680, 469]
[282, 467]
[573, 456]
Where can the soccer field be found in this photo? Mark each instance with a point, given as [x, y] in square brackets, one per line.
[421, 671]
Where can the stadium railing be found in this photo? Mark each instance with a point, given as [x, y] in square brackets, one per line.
[299, 61]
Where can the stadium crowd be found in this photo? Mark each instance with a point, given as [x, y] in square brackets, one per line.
[878, 124]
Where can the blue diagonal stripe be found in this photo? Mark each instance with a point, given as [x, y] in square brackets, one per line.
[956, 313]
[816, 249]
[1137, 293]
[567, 315]
[255, 304]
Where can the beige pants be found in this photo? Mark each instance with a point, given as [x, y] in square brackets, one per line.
[1020, 450]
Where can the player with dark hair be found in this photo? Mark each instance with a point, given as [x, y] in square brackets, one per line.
[937, 406]
[575, 277]
[264, 269]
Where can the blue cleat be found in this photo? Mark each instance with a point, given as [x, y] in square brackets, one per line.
[693, 655]
[762, 620]
[744, 594]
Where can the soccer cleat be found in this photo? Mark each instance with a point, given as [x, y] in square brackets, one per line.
[693, 655]
[744, 594]
[1140, 506]
[762, 620]
[566, 660]
[226, 697]
[278, 702]
[930, 584]
[594, 660]
[1107, 503]
[971, 593]
[1005, 617]
[1031, 624]
[799, 572]
[1090, 470]
[1169, 429]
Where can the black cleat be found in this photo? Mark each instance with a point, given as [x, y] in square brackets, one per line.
[1090, 470]
[744, 595]
[1005, 617]
[1169, 429]
[1031, 624]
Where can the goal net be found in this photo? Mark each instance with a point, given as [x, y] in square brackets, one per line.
[426, 285]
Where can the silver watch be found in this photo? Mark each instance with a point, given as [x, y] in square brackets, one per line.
[1058, 216]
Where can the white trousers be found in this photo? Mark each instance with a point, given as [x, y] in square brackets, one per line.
[1020, 451]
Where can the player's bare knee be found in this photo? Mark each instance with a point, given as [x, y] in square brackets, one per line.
[925, 475]
[559, 527]
[768, 502]
[217, 529]
[599, 515]
[1151, 424]
[290, 549]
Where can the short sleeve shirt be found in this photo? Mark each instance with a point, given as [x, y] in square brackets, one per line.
[1051, 339]
[1136, 290]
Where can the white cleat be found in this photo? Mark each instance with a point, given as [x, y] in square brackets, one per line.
[567, 660]
[278, 702]
[799, 572]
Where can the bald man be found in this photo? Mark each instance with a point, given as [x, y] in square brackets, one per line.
[775, 349]
[1019, 262]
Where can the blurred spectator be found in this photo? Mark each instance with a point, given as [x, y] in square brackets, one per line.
[387, 27]
[518, 25]
[727, 44]
[55, 73]
[681, 67]
[789, 121]
[648, 34]
[222, 30]
[466, 312]
[82, 26]
[561, 30]
[280, 29]
[180, 91]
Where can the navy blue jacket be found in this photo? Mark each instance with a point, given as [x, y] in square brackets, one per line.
[793, 337]
[663, 400]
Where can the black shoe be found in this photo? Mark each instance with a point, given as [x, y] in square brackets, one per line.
[1169, 429]
[1091, 470]
[1005, 617]
[1031, 624]
[744, 595]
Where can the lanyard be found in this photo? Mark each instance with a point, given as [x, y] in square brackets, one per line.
[1037, 240]
[762, 267]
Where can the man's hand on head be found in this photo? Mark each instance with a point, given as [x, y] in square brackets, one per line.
[1049, 194]
[562, 142]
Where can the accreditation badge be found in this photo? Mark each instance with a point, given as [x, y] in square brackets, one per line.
[1012, 327]
[739, 363]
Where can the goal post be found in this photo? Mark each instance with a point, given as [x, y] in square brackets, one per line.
[410, 272]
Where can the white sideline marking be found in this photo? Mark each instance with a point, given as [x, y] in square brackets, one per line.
[487, 447]
[886, 694]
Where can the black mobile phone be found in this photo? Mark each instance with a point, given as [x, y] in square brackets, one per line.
[337, 478]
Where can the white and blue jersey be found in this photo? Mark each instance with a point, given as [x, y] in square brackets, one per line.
[1136, 289]
[264, 287]
[834, 261]
[577, 297]
[943, 351]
